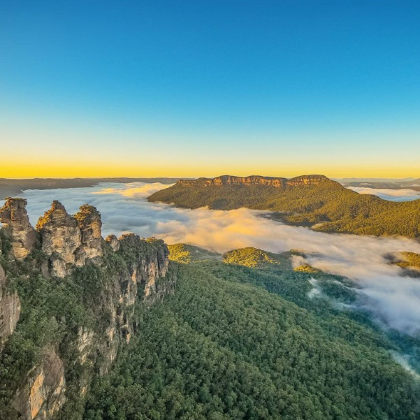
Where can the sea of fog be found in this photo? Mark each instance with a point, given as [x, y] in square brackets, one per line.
[401, 194]
[395, 300]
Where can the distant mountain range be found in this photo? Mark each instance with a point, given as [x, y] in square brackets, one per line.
[413, 184]
[13, 187]
[308, 200]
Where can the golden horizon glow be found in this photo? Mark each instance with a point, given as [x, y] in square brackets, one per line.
[25, 170]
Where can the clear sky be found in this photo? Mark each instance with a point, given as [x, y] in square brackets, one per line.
[207, 87]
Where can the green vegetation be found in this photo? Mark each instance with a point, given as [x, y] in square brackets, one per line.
[240, 339]
[305, 268]
[327, 206]
[55, 311]
[251, 257]
[184, 253]
[236, 342]
[407, 260]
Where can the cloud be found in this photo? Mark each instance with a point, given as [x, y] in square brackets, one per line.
[394, 299]
[402, 194]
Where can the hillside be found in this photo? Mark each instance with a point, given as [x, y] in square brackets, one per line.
[239, 342]
[312, 200]
[408, 261]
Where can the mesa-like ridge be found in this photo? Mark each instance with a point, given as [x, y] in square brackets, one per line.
[308, 200]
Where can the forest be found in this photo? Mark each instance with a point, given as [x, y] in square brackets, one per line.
[241, 339]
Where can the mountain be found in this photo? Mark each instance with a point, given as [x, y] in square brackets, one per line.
[309, 200]
[383, 184]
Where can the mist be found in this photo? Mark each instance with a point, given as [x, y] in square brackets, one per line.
[394, 299]
[401, 194]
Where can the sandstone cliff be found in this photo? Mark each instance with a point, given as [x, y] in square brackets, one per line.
[101, 282]
[307, 180]
[254, 180]
[235, 180]
[69, 241]
[17, 228]
[43, 395]
[9, 310]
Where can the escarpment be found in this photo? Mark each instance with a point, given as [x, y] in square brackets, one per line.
[277, 182]
[79, 294]
[235, 180]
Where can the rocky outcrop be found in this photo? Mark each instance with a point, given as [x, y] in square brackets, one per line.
[69, 241]
[150, 261]
[113, 242]
[90, 224]
[235, 180]
[60, 238]
[306, 180]
[9, 310]
[17, 228]
[44, 392]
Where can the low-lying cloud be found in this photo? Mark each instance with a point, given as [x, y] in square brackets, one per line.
[394, 299]
[402, 194]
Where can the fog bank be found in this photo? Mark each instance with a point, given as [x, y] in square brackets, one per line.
[394, 299]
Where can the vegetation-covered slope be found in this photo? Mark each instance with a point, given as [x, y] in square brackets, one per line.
[325, 205]
[185, 253]
[236, 342]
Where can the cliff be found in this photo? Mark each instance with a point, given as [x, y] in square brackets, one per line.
[16, 227]
[234, 180]
[254, 180]
[79, 294]
[9, 309]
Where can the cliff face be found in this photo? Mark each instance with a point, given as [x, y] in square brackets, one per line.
[17, 228]
[9, 309]
[107, 279]
[307, 180]
[150, 268]
[235, 180]
[90, 224]
[44, 393]
[255, 180]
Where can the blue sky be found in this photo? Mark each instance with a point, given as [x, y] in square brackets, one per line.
[209, 87]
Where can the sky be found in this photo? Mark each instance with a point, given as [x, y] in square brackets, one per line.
[204, 88]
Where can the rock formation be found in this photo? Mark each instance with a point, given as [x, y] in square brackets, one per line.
[90, 224]
[17, 228]
[146, 267]
[9, 310]
[69, 241]
[44, 392]
[113, 242]
[60, 238]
